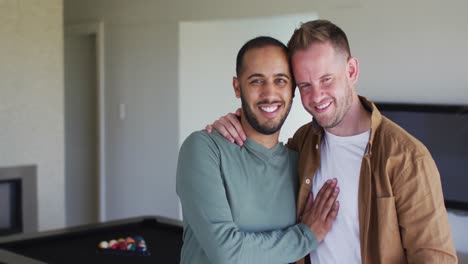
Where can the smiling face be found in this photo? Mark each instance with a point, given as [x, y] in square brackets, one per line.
[325, 79]
[265, 88]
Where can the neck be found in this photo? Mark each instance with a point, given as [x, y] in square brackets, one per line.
[268, 141]
[356, 121]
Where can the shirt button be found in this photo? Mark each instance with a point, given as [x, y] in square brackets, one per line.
[307, 181]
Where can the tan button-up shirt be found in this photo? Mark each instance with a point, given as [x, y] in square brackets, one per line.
[402, 217]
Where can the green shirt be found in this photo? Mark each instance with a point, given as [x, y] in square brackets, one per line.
[239, 202]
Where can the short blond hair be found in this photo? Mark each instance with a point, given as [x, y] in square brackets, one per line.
[319, 31]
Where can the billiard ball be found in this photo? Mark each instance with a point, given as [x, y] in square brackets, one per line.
[103, 245]
[113, 244]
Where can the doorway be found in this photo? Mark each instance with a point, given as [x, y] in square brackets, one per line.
[84, 124]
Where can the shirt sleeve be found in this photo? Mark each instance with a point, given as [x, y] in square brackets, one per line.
[206, 210]
[292, 143]
[295, 143]
[422, 215]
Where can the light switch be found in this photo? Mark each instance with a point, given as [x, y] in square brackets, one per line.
[122, 111]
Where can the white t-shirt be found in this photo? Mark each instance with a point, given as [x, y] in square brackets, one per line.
[341, 158]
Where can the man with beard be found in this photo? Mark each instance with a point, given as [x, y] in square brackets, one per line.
[392, 207]
[239, 203]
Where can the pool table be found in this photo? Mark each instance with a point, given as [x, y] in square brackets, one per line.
[80, 244]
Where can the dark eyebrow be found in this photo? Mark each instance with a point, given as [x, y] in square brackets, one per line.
[261, 75]
[255, 75]
[282, 75]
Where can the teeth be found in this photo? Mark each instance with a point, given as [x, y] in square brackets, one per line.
[269, 109]
[323, 106]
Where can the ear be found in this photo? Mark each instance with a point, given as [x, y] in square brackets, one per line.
[236, 86]
[353, 69]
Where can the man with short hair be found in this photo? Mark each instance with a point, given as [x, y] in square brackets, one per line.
[239, 203]
[392, 207]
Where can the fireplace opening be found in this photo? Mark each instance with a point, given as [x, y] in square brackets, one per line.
[18, 200]
[11, 207]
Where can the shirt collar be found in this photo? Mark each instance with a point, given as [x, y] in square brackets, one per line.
[376, 120]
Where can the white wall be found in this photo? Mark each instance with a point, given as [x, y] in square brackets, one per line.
[410, 51]
[31, 98]
[141, 72]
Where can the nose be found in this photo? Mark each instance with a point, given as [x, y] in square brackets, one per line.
[313, 94]
[268, 90]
